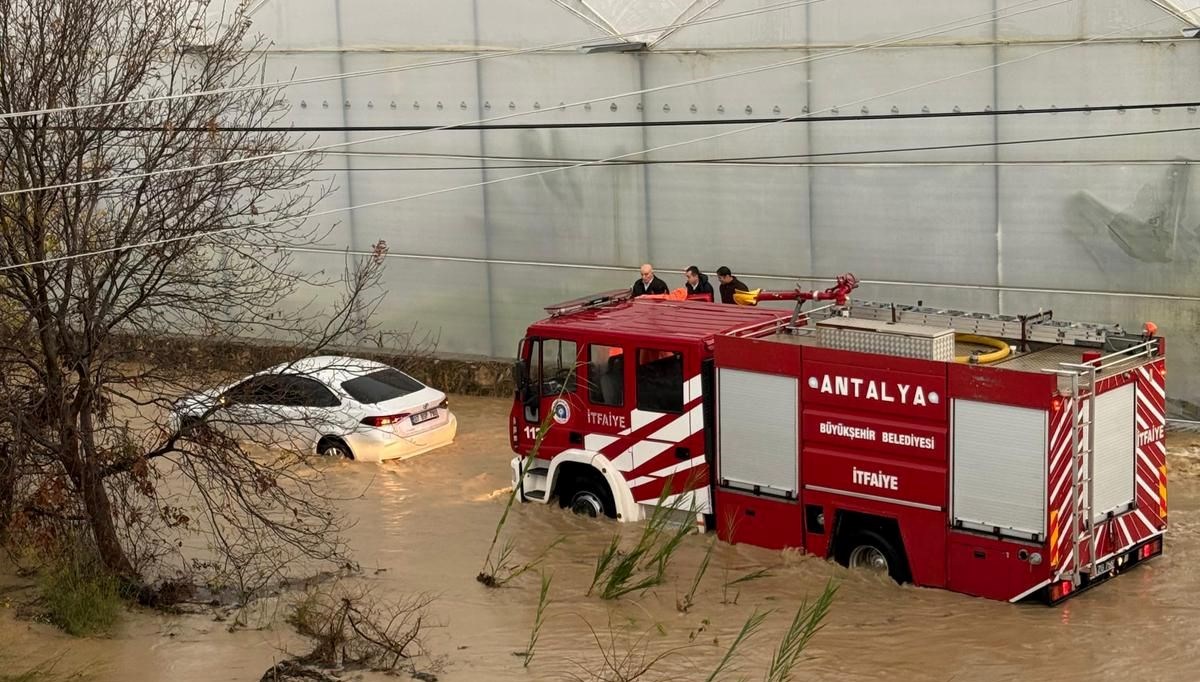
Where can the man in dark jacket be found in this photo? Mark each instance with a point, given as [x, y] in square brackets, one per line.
[648, 283]
[729, 284]
[697, 283]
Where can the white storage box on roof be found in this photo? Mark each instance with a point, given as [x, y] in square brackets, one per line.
[887, 338]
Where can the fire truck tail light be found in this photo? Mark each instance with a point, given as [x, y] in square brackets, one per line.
[1056, 404]
[1150, 549]
[1061, 589]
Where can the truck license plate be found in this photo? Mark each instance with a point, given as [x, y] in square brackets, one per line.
[1103, 567]
[425, 416]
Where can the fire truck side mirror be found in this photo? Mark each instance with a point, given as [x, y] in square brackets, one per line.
[521, 376]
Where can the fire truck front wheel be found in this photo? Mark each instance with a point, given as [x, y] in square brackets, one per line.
[585, 493]
[870, 551]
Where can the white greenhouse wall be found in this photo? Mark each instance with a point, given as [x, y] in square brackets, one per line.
[1114, 240]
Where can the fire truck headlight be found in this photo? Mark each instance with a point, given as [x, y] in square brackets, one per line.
[1035, 558]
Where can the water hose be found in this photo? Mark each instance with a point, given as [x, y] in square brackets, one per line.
[1002, 350]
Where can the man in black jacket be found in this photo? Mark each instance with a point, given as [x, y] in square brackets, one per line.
[648, 283]
[729, 284]
[697, 283]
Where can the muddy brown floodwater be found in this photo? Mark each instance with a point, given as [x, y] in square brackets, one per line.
[423, 525]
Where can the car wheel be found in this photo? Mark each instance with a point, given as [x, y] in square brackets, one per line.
[870, 551]
[588, 496]
[332, 447]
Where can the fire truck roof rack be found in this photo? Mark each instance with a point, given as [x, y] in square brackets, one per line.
[1039, 327]
[575, 305]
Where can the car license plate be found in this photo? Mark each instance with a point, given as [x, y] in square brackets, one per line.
[425, 416]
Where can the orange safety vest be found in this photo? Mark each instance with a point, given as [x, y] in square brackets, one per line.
[676, 295]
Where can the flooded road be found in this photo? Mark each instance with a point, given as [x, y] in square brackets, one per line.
[424, 525]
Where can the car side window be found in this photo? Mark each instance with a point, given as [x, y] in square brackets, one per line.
[262, 390]
[606, 376]
[306, 392]
[660, 381]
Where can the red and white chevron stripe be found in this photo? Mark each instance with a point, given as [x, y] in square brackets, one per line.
[1148, 517]
[645, 453]
[1060, 512]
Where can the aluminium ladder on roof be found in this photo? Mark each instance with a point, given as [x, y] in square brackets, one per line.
[1039, 327]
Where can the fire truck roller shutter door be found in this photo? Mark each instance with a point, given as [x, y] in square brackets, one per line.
[759, 444]
[1115, 451]
[999, 467]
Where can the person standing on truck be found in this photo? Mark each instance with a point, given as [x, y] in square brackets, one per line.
[729, 284]
[697, 283]
[648, 283]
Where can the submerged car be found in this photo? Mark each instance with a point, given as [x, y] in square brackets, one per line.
[331, 405]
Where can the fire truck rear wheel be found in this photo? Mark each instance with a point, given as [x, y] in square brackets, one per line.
[870, 551]
[588, 495]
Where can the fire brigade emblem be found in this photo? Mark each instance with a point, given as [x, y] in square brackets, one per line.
[561, 411]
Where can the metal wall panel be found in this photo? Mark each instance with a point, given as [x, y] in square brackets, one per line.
[1078, 20]
[882, 20]
[768, 29]
[723, 214]
[999, 467]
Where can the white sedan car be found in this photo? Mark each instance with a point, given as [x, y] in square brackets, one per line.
[336, 406]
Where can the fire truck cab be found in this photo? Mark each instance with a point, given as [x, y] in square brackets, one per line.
[1007, 457]
[623, 384]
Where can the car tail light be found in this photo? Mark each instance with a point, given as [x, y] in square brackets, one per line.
[385, 420]
[445, 404]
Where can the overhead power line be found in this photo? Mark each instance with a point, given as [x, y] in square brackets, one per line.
[784, 160]
[776, 277]
[804, 118]
[918, 33]
[407, 67]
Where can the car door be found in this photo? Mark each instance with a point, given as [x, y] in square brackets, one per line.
[307, 411]
[250, 410]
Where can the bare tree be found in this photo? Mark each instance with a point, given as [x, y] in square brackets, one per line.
[152, 216]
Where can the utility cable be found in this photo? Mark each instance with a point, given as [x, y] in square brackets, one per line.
[945, 26]
[406, 67]
[804, 118]
[202, 234]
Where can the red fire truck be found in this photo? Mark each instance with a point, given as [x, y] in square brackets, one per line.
[880, 435]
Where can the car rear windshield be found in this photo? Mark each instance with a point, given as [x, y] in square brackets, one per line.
[377, 387]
